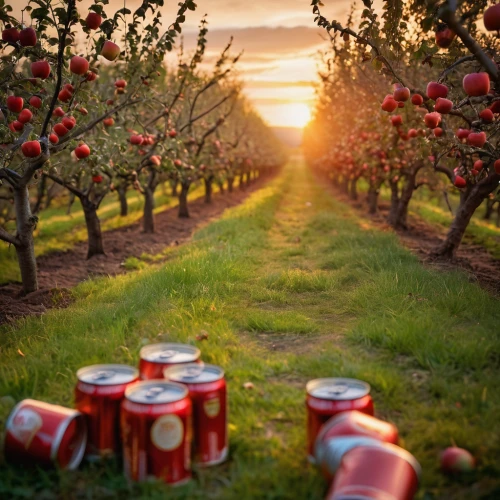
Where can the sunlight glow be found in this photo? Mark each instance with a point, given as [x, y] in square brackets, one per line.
[290, 114]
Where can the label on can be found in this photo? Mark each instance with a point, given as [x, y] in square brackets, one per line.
[167, 432]
[212, 407]
[25, 425]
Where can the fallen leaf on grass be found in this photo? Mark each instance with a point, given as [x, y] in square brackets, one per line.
[202, 336]
[248, 385]
[213, 308]
[20, 353]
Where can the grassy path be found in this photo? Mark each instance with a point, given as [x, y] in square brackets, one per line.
[290, 286]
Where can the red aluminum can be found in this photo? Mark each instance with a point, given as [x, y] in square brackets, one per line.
[98, 394]
[381, 471]
[156, 432]
[345, 431]
[327, 397]
[207, 390]
[45, 434]
[156, 357]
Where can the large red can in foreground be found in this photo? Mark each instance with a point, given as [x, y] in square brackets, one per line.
[327, 397]
[345, 431]
[98, 395]
[156, 431]
[45, 434]
[157, 357]
[380, 471]
[207, 390]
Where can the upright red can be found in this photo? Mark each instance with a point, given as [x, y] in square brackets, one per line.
[156, 431]
[45, 434]
[345, 431]
[380, 471]
[98, 395]
[207, 390]
[327, 397]
[157, 357]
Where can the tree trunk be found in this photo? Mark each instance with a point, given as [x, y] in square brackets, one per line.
[230, 182]
[353, 189]
[208, 190]
[249, 179]
[221, 187]
[469, 202]
[489, 209]
[42, 185]
[148, 224]
[242, 181]
[498, 215]
[25, 223]
[70, 203]
[183, 202]
[174, 185]
[401, 220]
[122, 197]
[95, 244]
[372, 201]
[344, 186]
[394, 203]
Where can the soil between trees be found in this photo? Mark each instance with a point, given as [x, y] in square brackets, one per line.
[59, 271]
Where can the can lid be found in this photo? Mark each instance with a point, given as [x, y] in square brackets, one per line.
[336, 389]
[155, 392]
[194, 373]
[170, 353]
[107, 374]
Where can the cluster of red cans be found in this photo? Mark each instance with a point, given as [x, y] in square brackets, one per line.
[160, 418]
[356, 452]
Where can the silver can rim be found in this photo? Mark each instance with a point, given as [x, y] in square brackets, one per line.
[137, 385]
[149, 347]
[134, 373]
[313, 384]
[171, 370]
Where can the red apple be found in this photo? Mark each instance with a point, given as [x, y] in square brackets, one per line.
[495, 107]
[96, 178]
[78, 65]
[432, 120]
[65, 95]
[27, 37]
[31, 149]
[69, 122]
[35, 101]
[463, 133]
[401, 104]
[91, 76]
[417, 99]
[435, 90]
[93, 21]
[60, 129]
[476, 84]
[17, 125]
[453, 459]
[15, 104]
[108, 122]
[474, 172]
[443, 106]
[58, 112]
[496, 166]
[40, 69]
[83, 111]
[401, 94]
[136, 140]
[10, 35]
[438, 132]
[53, 138]
[172, 133]
[110, 102]
[155, 160]
[478, 165]
[445, 37]
[121, 84]
[412, 133]
[486, 115]
[178, 163]
[459, 181]
[25, 116]
[110, 50]
[396, 120]
[491, 18]
[477, 139]
[82, 151]
[389, 104]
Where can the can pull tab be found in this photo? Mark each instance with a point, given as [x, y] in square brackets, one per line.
[154, 392]
[192, 372]
[167, 354]
[338, 389]
[103, 374]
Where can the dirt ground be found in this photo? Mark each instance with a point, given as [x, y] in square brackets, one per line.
[59, 271]
[423, 238]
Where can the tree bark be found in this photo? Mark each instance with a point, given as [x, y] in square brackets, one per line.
[221, 187]
[394, 203]
[353, 189]
[25, 249]
[94, 233]
[122, 197]
[344, 186]
[183, 203]
[248, 178]
[41, 189]
[242, 182]
[230, 182]
[469, 202]
[148, 224]
[489, 209]
[208, 189]
[174, 185]
[372, 201]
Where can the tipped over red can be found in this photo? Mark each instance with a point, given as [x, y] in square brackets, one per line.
[327, 397]
[98, 395]
[207, 390]
[154, 358]
[45, 434]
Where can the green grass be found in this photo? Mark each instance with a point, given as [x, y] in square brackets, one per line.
[58, 231]
[287, 292]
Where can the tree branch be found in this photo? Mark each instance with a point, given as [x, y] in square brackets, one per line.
[8, 238]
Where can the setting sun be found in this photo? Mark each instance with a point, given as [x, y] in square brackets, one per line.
[286, 115]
